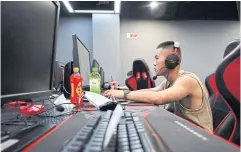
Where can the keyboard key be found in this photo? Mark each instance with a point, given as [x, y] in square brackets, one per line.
[101, 130]
[135, 146]
[99, 136]
[134, 114]
[132, 130]
[125, 148]
[82, 137]
[134, 138]
[95, 149]
[141, 130]
[122, 131]
[138, 150]
[96, 144]
[138, 124]
[133, 135]
[77, 144]
[128, 114]
[129, 119]
[122, 135]
[135, 142]
[98, 140]
[136, 119]
[129, 122]
[123, 139]
[73, 149]
[123, 143]
[130, 125]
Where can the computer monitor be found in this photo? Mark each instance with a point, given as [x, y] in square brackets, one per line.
[81, 58]
[96, 64]
[57, 75]
[28, 42]
[102, 75]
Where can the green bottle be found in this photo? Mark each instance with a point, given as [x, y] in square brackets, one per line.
[95, 80]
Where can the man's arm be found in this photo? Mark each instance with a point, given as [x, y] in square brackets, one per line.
[180, 89]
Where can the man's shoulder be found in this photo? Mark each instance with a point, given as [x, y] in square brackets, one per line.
[189, 74]
[188, 80]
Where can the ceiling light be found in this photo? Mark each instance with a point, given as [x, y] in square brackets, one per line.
[153, 4]
[93, 11]
[117, 6]
[68, 6]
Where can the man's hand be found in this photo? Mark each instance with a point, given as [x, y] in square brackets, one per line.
[116, 93]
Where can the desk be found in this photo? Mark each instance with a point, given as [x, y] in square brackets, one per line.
[164, 126]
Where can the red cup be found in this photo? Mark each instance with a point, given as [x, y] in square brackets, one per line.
[113, 85]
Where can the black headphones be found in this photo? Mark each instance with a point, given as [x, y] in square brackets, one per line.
[174, 58]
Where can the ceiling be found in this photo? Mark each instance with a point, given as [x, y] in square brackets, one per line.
[173, 10]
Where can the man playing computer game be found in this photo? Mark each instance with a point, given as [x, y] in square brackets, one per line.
[183, 89]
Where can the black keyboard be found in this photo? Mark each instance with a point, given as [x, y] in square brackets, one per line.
[130, 135]
[91, 135]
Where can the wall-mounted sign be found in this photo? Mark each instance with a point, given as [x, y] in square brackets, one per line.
[131, 35]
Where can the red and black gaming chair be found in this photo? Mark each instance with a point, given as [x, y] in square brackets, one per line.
[141, 78]
[228, 84]
[224, 119]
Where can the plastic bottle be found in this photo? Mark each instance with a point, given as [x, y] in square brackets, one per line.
[95, 80]
[76, 81]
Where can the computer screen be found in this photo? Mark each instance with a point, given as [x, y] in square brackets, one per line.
[81, 57]
[102, 75]
[28, 42]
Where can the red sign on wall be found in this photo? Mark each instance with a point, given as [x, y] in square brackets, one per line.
[131, 35]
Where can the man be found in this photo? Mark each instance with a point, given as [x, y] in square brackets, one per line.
[183, 89]
[129, 74]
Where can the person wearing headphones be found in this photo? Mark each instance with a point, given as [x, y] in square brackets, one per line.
[183, 89]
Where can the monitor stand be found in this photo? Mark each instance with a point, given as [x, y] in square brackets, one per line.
[86, 87]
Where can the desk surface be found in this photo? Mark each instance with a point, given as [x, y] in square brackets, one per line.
[66, 130]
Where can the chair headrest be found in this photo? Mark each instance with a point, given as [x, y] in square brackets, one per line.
[140, 65]
[232, 45]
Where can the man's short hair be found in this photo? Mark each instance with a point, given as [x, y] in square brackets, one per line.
[168, 44]
[130, 73]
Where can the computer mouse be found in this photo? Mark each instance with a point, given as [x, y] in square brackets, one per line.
[108, 106]
[60, 108]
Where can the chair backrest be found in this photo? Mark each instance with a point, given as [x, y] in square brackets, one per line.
[228, 79]
[220, 109]
[141, 78]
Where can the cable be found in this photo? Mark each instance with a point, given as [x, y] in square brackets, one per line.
[52, 108]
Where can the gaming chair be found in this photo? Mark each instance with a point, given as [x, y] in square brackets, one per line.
[225, 117]
[141, 78]
[68, 70]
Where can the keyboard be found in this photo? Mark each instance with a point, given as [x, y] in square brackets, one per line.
[129, 136]
[91, 136]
